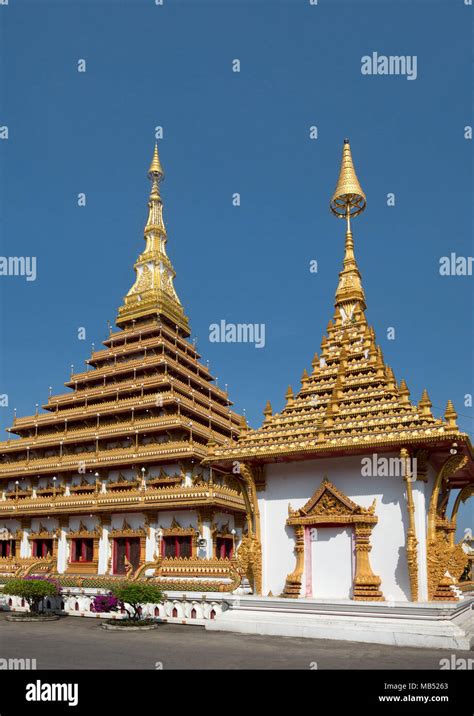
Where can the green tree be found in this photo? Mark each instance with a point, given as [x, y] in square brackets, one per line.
[32, 591]
[136, 595]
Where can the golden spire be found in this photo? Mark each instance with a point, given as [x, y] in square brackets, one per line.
[155, 205]
[268, 412]
[156, 169]
[451, 415]
[153, 294]
[348, 196]
[424, 404]
[244, 426]
[404, 393]
[347, 201]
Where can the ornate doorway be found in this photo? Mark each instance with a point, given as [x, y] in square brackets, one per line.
[330, 508]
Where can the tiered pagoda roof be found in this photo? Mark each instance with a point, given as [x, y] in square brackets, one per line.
[145, 397]
[350, 402]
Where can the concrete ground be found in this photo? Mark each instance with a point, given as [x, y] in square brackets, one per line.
[80, 643]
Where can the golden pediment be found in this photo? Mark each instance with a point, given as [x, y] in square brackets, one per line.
[328, 504]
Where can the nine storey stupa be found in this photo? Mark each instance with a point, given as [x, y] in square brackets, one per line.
[107, 482]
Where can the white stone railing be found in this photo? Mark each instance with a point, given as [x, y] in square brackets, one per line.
[180, 608]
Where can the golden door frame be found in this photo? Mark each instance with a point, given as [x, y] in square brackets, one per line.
[326, 508]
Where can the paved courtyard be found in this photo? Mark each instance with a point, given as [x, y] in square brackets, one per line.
[80, 643]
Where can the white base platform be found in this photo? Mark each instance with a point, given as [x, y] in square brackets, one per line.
[441, 625]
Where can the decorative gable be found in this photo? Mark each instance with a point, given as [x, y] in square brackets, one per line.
[328, 504]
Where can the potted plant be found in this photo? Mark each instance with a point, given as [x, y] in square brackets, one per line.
[130, 598]
[33, 590]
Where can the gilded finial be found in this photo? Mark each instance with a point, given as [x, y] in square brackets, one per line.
[268, 412]
[425, 403]
[403, 392]
[390, 377]
[156, 170]
[289, 394]
[243, 423]
[348, 198]
[451, 415]
[348, 201]
[305, 376]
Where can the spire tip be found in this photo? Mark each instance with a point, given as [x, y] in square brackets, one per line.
[156, 170]
[348, 198]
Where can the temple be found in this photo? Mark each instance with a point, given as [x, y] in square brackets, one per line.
[352, 480]
[108, 481]
[143, 471]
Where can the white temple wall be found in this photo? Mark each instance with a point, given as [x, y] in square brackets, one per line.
[296, 482]
[331, 564]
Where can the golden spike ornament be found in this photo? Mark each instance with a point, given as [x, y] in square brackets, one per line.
[348, 197]
[348, 201]
[156, 170]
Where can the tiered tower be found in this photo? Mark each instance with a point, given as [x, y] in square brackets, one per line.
[350, 399]
[108, 479]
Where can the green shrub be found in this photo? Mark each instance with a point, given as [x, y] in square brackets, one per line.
[135, 595]
[31, 590]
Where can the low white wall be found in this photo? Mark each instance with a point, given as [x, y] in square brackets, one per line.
[181, 608]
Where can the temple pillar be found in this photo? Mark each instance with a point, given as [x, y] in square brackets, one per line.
[25, 544]
[207, 535]
[295, 579]
[205, 517]
[104, 547]
[63, 547]
[419, 500]
[151, 543]
[366, 583]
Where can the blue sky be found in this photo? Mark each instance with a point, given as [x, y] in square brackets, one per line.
[227, 132]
